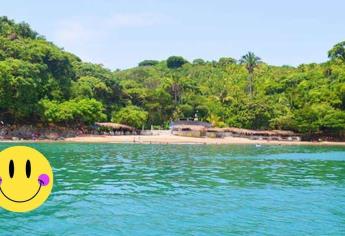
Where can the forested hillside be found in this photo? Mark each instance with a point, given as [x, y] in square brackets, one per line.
[42, 83]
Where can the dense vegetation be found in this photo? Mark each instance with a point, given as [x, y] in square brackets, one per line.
[41, 83]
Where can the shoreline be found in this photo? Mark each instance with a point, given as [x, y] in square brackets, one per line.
[171, 139]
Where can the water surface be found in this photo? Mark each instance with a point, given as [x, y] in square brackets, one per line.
[133, 189]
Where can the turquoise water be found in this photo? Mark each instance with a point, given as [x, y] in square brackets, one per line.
[120, 189]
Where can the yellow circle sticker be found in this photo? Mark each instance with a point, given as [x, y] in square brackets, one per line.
[26, 179]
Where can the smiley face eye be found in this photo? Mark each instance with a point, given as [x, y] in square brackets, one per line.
[28, 168]
[11, 169]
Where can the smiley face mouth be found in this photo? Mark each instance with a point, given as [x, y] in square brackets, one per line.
[17, 201]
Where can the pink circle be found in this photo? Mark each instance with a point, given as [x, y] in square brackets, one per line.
[43, 179]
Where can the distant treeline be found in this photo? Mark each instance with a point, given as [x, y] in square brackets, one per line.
[42, 83]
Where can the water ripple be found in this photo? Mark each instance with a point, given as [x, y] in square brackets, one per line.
[118, 189]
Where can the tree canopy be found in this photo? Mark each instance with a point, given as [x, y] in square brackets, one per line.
[148, 63]
[337, 52]
[175, 62]
[130, 115]
[42, 83]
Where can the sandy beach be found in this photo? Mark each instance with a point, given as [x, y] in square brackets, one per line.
[173, 139]
[170, 139]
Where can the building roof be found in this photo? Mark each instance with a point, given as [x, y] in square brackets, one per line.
[191, 123]
[259, 132]
[188, 127]
[115, 126]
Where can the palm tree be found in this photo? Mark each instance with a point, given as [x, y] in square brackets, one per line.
[251, 61]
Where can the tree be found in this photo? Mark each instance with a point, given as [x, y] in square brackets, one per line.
[199, 61]
[90, 87]
[251, 61]
[20, 90]
[106, 86]
[40, 82]
[187, 111]
[12, 30]
[175, 62]
[320, 117]
[224, 61]
[83, 111]
[148, 63]
[23, 29]
[337, 52]
[130, 115]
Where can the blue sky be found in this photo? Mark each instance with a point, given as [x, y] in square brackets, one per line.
[119, 34]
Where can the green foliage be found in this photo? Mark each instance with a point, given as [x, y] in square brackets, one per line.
[148, 63]
[186, 110]
[224, 61]
[19, 92]
[337, 52]
[40, 82]
[90, 87]
[10, 29]
[251, 61]
[216, 121]
[95, 81]
[199, 61]
[319, 117]
[130, 115]
[84, 111]
[175, 62]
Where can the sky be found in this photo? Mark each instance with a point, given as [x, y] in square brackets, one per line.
[120, 34]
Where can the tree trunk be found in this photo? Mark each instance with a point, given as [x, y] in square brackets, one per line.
[250, 85]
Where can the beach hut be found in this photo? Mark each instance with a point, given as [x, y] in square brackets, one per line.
[189, 130]
[215, 132]
[115, 128]
[261, 134]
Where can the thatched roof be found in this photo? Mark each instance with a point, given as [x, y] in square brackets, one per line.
[284, 132]
[253, 132]
[115, 126]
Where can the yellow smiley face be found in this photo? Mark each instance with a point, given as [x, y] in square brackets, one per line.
[26, 179]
